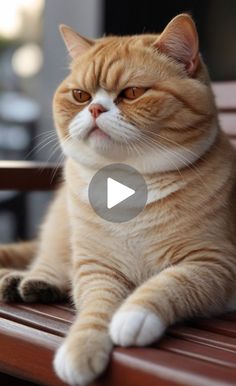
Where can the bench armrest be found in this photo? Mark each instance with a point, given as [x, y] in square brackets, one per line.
[28, 176]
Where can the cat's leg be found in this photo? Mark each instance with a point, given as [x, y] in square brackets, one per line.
[177, 293]
[98, 291]
[47, 278]
[17, 255]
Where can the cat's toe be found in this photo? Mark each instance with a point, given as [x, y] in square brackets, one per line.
[36, 290]
[5, 272]
[64, 367]
[76, 367]
[9, 287]
[136, 328]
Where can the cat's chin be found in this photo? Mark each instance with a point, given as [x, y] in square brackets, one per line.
[105, 145]
[99, 141]
[98, 134]
[95, 152]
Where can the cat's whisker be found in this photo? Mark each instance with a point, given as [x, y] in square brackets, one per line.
[61, 158]
[170, 151]
[183, 159]
[50, 156]
[56, 147]
[178, 145]
[181, 146]
[59, 164]
[165, 152]
[45, 133]
[40, 146]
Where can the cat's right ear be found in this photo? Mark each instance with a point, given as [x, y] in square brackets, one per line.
[75, 43]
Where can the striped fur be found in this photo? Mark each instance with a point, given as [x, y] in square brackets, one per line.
[176, 259]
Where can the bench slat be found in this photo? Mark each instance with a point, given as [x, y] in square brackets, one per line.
[25, 176]
[207, 338]
[185, 356]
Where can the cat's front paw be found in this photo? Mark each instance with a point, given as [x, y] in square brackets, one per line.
[9, 286]
[36, 290]
[78, 363]
[137, 327]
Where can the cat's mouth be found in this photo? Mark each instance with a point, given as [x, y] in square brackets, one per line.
[97, 132]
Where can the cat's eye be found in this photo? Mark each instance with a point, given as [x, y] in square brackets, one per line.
[81, 96]
[133, 92]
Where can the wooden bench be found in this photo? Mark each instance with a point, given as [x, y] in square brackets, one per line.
[197, 353]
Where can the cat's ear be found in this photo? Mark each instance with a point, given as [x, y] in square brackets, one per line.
[179, 40]
[75, 43]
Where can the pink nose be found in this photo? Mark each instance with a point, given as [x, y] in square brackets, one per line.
[96, 109]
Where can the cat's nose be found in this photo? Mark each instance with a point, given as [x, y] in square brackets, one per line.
[96, 109]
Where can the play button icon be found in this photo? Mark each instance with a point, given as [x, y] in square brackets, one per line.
[117, 193]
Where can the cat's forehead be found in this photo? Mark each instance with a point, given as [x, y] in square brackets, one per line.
[121, 45]
[115, 63]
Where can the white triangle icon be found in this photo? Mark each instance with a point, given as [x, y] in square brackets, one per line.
[117, 192]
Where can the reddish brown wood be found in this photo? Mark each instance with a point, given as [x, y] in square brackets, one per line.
[146, 366]
[223, 327]
[233, 141]
[42, 320]
[7, 380]
[25, 175]
[231, 317]
[186, 356]
[207, 338]
[25, 352]
[214, 355]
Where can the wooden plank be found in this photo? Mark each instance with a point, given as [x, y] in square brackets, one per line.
[230, 316]
[25, 175]
[158, 367]
[54, 311]
[233, 142]
[172, 362]
[27, 353]
[218, 356]
[26, 317]
[223, 327]
[7, 380]
[207, 338]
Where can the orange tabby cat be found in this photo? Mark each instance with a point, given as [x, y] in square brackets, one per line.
[145, 101]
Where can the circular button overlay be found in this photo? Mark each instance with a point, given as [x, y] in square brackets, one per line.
[117, 193]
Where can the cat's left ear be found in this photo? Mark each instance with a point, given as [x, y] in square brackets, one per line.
[179, 40]
[75, 43]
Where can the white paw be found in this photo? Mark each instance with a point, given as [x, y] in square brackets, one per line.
[136, 328]
[77, 368]
[64, 368]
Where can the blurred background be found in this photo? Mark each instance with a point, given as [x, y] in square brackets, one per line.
[33, 61]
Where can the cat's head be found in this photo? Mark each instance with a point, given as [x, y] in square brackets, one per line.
[144, 100]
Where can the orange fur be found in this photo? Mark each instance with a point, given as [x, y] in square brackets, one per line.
[177, 258]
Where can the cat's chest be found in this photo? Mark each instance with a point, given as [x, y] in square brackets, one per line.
[139, 250]
[157, 187]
